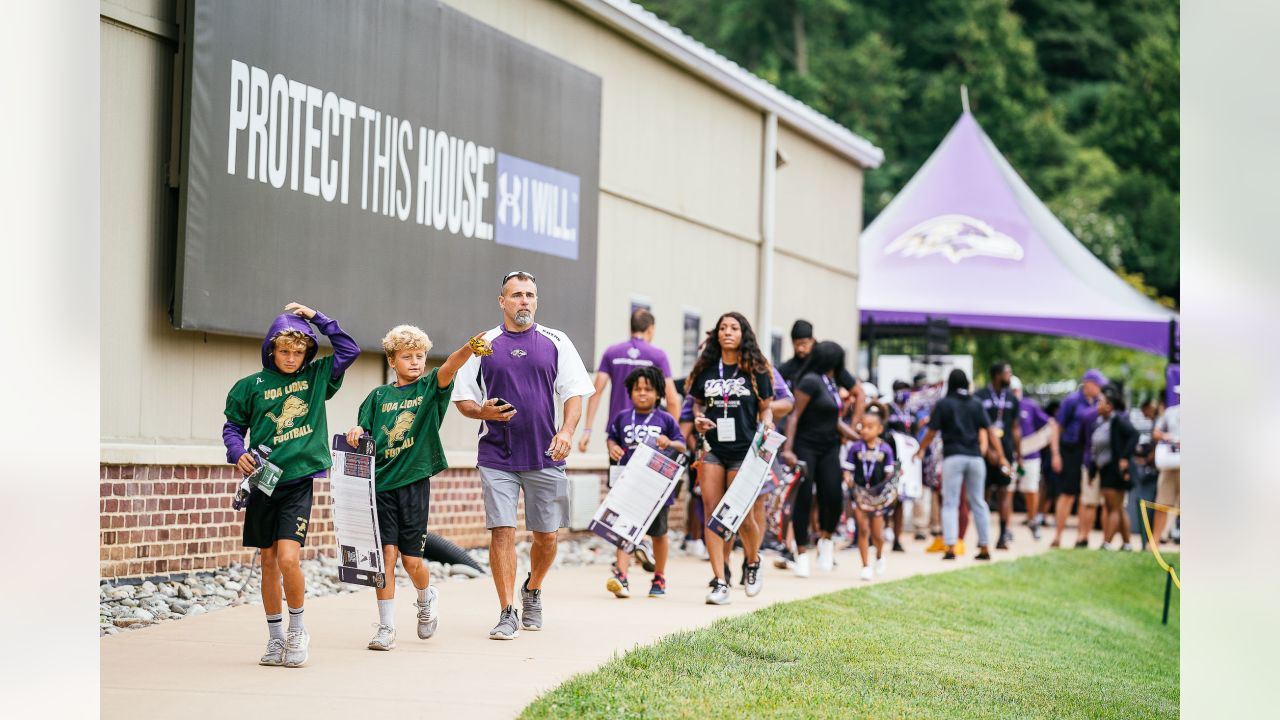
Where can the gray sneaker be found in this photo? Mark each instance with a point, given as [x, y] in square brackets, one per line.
[274, 655]
[644, 554]
[508, 625]
[296, 643]
[719, 594]
[532, 601]
[753, 581]
[427, 620]
[384, 638]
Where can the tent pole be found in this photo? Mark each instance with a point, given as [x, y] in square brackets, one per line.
[964, 98]
[871, 350]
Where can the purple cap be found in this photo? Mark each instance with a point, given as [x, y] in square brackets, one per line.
[1094, 375]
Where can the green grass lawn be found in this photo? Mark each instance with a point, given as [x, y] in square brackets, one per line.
[1068, 634]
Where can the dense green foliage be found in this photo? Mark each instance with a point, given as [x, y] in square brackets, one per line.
[1081, 95]
[1069, 634]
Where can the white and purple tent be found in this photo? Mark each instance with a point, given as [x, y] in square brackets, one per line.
[967, 241]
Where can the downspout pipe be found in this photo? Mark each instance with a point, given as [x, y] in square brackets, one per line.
[768, 208]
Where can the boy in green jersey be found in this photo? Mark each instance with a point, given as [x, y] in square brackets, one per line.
[404, 419]
[282, 407]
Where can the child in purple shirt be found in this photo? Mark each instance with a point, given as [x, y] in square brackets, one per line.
[644, 422]
[869, 470]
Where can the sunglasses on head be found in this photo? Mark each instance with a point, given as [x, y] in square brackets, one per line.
[519, 274]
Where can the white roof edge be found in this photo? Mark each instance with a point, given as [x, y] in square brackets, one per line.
[650, 31]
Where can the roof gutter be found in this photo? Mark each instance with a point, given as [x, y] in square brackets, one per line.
[647, 30]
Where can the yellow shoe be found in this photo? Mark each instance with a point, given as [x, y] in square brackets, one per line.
[959, 549]
[937, 546]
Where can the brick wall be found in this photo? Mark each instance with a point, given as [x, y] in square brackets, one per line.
[163, 519]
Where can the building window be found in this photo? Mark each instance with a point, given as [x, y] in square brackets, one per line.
[775, 349]
[639, 302]
[692, 336]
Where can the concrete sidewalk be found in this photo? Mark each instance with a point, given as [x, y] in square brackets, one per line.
[206, 666]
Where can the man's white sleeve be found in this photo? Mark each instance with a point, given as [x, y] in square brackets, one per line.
[466, 384]
[572, 379]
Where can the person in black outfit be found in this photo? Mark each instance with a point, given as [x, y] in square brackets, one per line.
[802, 343]
[963, 426]
[732, 388]
[1114, 442]
[814, 432]
[1003, 454]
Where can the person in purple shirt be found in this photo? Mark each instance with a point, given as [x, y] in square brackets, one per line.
[644, 422]
[869, 466]
[513, 392]
[616, 364]
[282, 407]
[1032, 418]
[1075, 418]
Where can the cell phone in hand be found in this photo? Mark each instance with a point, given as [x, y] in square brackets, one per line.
[499, 402]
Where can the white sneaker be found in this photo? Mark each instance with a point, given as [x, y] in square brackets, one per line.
[719, 594]
[826, 549]
[801, 566]
[274, 655]
[867, 574]
[384, 638]
[880, 565]
[1127, 547]
[1105, 546]
[753, 581]
[296, 645]
[427, 619]
[698, 549]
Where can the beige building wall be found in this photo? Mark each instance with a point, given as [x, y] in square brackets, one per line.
[819, 220]
[679, 225]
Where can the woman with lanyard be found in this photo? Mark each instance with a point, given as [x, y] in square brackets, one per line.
[963, 425]
[814, 431]
[732, 386]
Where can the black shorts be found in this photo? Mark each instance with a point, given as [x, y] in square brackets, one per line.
[1072, 470]
[995, 478]
[284, 515]
[659, 526]
[1113, 479]
[402, 517]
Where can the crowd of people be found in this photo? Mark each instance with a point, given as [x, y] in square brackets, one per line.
[844, 470]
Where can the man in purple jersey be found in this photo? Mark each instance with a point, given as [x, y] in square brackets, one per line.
[513, 392]
[1068, 455]
[1032, 418]
[617, 363]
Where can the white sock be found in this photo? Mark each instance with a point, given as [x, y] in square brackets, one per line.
[275, 626]
[295, 619]
[387, 612]
[422, 594]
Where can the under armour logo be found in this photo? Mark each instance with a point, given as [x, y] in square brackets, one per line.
[508, 200]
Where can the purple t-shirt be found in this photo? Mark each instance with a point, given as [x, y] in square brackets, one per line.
[869, 466]
[1032, 417]
[620, 360]
[1075, 417]
[630, 428]
[528, 369]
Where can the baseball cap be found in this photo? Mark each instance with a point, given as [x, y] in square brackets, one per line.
[801, 330]
[1094, 375]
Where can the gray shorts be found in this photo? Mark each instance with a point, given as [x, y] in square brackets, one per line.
[546, 498]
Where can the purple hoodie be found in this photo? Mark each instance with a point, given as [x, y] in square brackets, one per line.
[345, 352]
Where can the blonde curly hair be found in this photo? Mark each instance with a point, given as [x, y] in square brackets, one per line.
[405, 337]
[292, 339]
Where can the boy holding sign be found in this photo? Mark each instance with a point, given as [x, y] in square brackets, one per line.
[404, 419]
[281, 407]
[627, 430]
